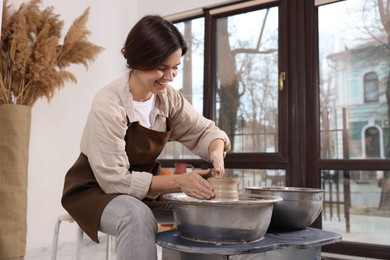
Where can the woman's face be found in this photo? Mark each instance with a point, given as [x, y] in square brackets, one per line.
[156, 80]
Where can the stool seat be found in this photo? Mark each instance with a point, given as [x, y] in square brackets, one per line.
[80, 233]
[66, 217]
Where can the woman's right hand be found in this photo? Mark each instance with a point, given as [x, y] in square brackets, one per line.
[194, 185]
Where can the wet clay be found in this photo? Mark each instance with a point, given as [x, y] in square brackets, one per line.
[225, 188]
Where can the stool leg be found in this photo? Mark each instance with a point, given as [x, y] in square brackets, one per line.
[108, 248]
[55, 240]
[79, 243]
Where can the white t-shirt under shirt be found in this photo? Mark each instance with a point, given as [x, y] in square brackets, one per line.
[103, 140]
[143, 110]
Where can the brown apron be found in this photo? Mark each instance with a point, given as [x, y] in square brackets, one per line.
[82, 196]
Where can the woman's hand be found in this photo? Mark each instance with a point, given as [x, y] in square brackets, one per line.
[194, 185]
[216, 152]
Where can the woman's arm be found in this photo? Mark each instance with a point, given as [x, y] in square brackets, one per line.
[193, 130]
[217, 155]
[191, 183]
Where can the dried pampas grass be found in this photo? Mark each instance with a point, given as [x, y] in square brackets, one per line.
[33, 61]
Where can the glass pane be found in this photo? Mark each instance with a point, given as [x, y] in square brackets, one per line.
[247, 74]
[247, 177]
[353, 206]
[354, 79]
[258, 177]
[189, 79]
[371, 91]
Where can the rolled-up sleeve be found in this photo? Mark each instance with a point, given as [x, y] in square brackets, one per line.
[192, 129]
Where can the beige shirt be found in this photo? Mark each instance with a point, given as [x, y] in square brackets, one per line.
[103, 137]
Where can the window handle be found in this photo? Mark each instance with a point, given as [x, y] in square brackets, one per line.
[282, 78]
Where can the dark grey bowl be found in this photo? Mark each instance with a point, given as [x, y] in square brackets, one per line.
[299, 209]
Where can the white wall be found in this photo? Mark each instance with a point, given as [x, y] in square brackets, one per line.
[172, 6]
[57, 126]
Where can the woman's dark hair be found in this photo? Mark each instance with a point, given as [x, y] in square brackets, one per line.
[151, 41]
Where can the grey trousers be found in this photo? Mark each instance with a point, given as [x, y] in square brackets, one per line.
[134, 227]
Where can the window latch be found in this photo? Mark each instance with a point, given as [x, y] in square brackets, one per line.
[282, 78]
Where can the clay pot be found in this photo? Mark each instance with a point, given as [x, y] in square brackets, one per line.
[181, 168]
[165, 172]
[225, 188]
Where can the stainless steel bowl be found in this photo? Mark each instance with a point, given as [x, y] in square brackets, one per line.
[243, 220]
[299, 209]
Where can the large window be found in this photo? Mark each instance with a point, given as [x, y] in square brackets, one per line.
[301, 88]
[247, 77]
[189, 79]
[354, 58]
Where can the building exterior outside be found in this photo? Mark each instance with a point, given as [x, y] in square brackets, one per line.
[359, 115]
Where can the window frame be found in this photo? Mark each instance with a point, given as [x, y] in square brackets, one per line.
[310, 10]
[367, 83]
[299, 141]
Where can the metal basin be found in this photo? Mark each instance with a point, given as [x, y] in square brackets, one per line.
[299, 209]
[243, 220]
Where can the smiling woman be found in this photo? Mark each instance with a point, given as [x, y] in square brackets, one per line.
[131, 119]
[144, 83]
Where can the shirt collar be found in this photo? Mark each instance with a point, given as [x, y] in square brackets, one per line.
[160, 108]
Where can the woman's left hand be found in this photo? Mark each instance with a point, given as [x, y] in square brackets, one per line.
[216, 152]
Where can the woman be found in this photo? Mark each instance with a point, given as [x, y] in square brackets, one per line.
[130, 121]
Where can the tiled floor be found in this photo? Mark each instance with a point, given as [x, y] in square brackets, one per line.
[93, 251]
[67, 251]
